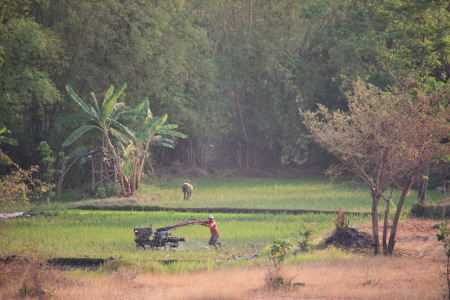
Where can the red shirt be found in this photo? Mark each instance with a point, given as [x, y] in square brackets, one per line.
[212, 226]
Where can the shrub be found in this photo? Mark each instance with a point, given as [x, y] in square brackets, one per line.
[106, 191]
[18, 186]
[276, 277]
[443, 236]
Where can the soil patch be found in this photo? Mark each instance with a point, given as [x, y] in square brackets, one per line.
[414, 238]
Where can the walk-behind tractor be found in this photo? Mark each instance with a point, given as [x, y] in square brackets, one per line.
[162, 237]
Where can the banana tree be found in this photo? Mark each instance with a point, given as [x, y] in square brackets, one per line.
[149, 131]
[5, 159]
[105, 119]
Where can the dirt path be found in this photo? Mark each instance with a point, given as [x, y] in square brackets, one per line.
[415, 238]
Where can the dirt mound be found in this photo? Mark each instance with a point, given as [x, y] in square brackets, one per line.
[350, 238]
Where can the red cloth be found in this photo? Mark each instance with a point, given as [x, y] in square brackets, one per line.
[212, 226]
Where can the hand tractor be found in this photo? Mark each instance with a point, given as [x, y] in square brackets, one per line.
[161, 237]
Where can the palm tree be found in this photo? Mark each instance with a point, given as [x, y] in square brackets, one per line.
[149, 131]
[103, 118]
[134, 144]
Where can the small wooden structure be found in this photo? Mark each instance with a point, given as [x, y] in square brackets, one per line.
[103, 169]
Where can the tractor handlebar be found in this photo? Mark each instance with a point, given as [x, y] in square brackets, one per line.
[181, 224]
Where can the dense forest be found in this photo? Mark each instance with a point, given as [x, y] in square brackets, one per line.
[230, 73]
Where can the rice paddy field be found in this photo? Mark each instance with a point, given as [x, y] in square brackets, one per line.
[82, 233]
[269, 193]
[103, 234]
[187, 272]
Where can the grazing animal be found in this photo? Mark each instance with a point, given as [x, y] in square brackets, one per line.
[187, 190]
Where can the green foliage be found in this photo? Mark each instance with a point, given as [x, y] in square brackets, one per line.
[29, 100]
[77, 134]
[132, 145]
[7, 140]
[104, 117]
[443, 237]
[304, 238]
[48, 162]
[106, 190]
[279, 250]
[230, 74]
[4, 159]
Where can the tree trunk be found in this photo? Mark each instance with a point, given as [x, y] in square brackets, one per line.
[405, 192]
[385, 226]
[422, 182]
[376, 240]
[239, 95]
[122, 179]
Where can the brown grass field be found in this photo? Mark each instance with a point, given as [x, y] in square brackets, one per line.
[415, 272]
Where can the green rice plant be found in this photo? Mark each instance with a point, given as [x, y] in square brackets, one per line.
[103, 234]
[110, 234]
[269, 193]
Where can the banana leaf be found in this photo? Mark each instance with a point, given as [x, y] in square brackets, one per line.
[77, 99]
[77, 133]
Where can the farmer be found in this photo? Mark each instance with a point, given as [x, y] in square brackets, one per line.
[214, 231]
[187, 190]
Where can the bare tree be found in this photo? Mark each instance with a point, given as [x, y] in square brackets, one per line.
[384, 138]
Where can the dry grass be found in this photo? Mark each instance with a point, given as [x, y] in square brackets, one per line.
[357, 278]
[135, 200]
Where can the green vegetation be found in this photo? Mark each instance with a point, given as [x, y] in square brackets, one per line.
[231, 74]
[443, 237]
[103, 234]
[269, 193]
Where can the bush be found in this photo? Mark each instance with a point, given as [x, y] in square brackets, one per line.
[17, 187]
[276, 277]
[431, 211]
[106, 191]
